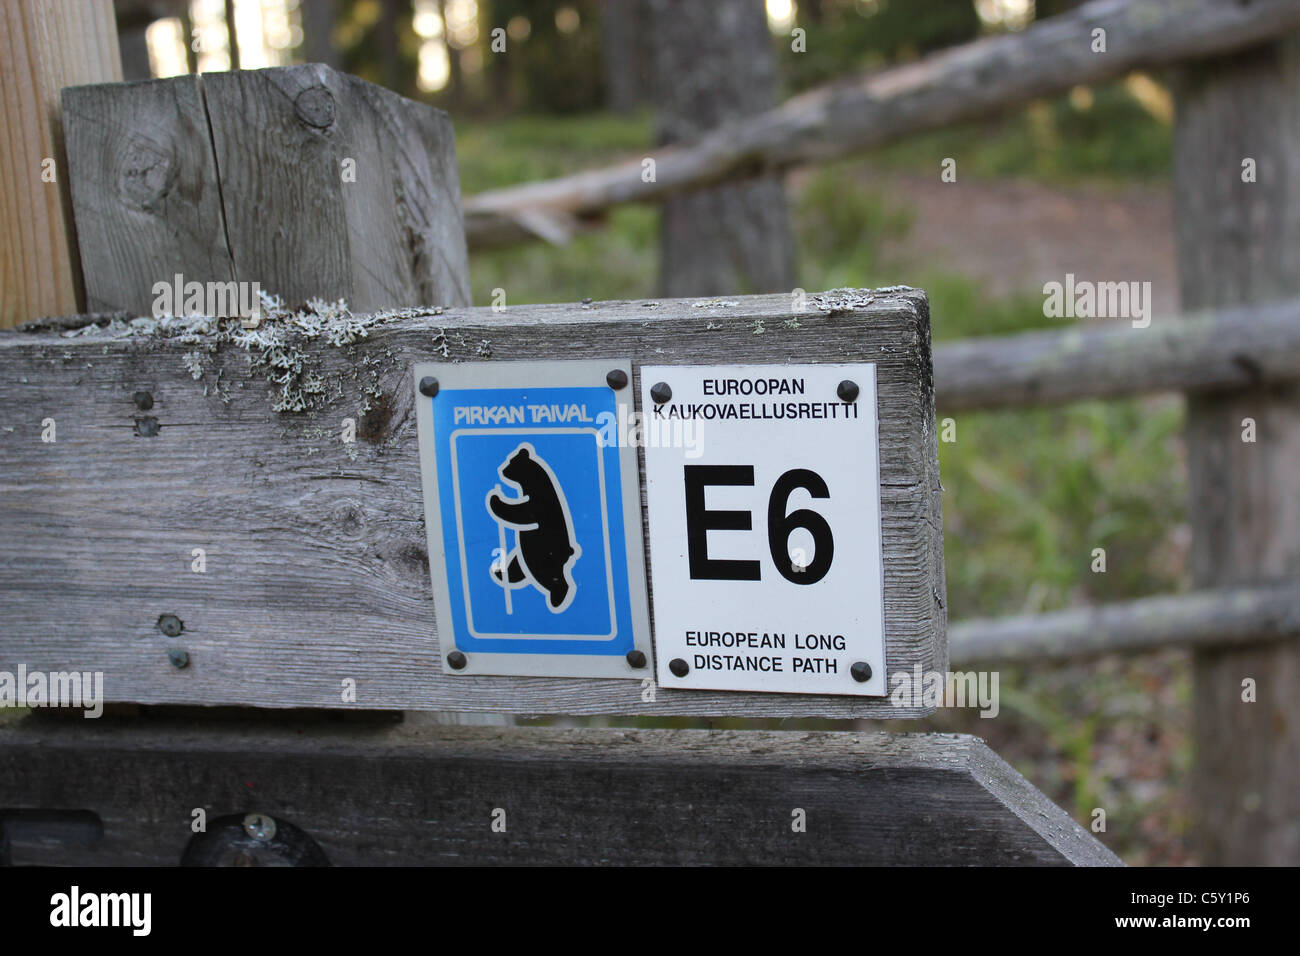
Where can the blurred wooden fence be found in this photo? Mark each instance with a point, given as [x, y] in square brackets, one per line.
[1237, 83]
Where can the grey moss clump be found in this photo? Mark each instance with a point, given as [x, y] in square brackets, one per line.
[276, 341]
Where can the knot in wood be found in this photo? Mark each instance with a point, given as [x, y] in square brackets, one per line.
[315, 107]
[146, 175]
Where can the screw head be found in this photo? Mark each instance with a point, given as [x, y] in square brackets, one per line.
[847, 391]
[259, 826]
[143, 401]
[679, 667]
[428, 386]
[146, 427]
[457, 660]
[616, 379]
[861, 671]
[636, 658]
[170, 624]
[660, 392]
[179, 658]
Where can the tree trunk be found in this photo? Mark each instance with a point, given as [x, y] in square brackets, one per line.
[712, 63]
[623, 25]
[318, 32]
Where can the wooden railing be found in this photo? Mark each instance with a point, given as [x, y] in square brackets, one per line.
[879, 107]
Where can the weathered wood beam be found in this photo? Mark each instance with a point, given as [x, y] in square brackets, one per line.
[1210, 351]
[872, 109]
[575, 797]
[316, 551]
[1215, 618]
[307, 181]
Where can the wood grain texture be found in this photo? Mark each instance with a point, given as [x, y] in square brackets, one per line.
[316, 551]
[870, 109]
[145, 190]
[307, 181]
[424, 794]
[1213, 618]
[394, 237]
[1204, 352]
[1239, 243]
[45, 45]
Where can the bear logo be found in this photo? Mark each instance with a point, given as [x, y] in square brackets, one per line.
[545, 550]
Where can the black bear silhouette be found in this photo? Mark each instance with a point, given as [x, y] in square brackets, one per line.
[546, 550]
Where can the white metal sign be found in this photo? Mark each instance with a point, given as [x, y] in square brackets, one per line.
[764, 524]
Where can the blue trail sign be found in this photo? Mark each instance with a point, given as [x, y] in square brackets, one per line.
[533, 514]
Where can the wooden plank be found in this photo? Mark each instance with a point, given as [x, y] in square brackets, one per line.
[1238, 242]
[309, 182]
[44, 46]
[577, 797]
[394, 237]
[1213, 618]
[1204, 352]
[144, 186]
[877, 107]
[316, 550]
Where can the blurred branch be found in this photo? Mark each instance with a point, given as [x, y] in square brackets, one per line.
[1208, 618]
[868, 110]
[1206, 351]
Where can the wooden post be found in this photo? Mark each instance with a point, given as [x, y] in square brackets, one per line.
[1237, 176]
[45, 45]
[309, 182]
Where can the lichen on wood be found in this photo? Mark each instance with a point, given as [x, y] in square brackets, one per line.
[277, 341]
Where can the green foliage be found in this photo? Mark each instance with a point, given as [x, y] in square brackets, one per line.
[1055, 140]
[550, 71]
[615, 263]
[527, 148]
[843, 35]
[844, 227]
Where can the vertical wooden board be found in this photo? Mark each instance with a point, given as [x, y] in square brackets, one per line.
[279, 140]
[45, 45]
[1239, 243]
[407, 199]
[144, 189]
[287, 142]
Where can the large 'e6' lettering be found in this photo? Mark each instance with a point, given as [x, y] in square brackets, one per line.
[700, 520]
